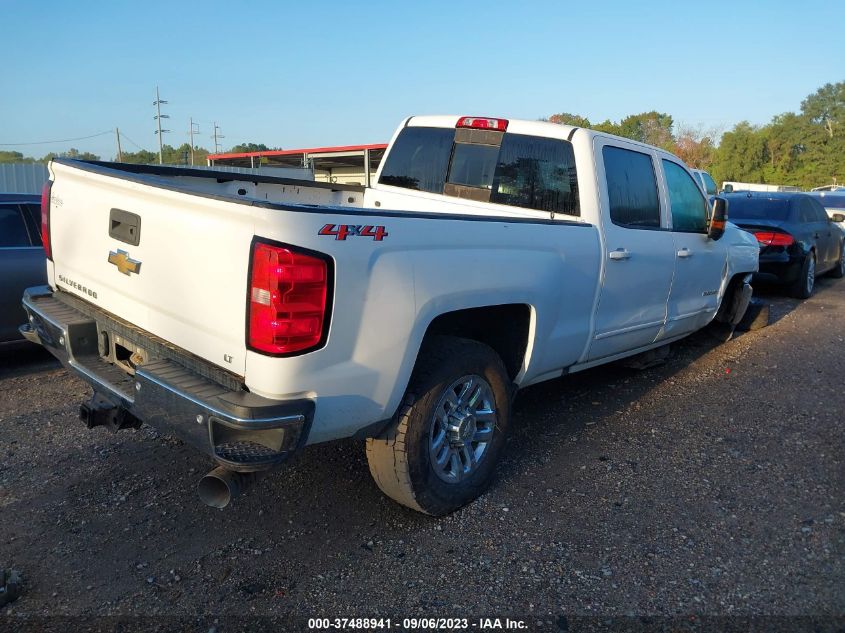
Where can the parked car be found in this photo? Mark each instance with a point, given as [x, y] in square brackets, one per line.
[252, 315]
[798, 241]
[22, 262]
[833, 202]
[705, 181]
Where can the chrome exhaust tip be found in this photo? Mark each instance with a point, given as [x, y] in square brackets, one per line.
[220, 486]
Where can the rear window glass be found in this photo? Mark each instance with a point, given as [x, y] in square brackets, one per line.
[473, 165]
[745, 208]
[536, 173]
[419, 159]
[631, 188]
[524, 171]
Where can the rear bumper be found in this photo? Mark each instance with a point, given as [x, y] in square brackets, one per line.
[779, 267]
[173, 392]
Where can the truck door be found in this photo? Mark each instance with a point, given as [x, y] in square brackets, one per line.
[700, 263]
[638, 251]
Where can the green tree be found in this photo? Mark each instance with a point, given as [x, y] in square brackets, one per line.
[141, 157]
[741, 155]
[244, 148]
[826, 107]
[654, 128]
[565, 118]
[71, 153]
[14, 157]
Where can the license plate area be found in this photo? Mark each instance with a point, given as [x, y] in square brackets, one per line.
[122, 352]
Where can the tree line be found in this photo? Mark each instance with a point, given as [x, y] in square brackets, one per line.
[180, 155]
[804, 148]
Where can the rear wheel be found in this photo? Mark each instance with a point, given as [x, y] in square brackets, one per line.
[803, 286]
[838, 271]
[442, 451]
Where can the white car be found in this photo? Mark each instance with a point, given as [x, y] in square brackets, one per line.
[252, 315]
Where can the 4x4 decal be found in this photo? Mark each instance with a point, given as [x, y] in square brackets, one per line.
[342, 231]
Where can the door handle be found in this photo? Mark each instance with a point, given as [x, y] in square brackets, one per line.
[816, 236]
[685, 252]
[619, 253]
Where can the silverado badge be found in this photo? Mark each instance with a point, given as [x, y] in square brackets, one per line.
[124, 263]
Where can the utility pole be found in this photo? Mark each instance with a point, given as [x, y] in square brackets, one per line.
[158, 117]
[217, 136]
[119, 153]
[191, 132]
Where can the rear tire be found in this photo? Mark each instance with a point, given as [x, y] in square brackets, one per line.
[458, 392]
[838, 271]
[803, 286]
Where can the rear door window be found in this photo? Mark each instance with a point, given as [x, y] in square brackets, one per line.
[13, 233]
[687, 204]
[631, 188]
[818, 210]
[807, 211]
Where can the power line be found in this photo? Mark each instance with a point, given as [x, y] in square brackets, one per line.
[64, 140]
[123, 134]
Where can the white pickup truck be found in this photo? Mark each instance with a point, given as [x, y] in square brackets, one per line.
[252, 315]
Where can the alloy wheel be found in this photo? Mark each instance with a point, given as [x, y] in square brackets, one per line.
[462, 428]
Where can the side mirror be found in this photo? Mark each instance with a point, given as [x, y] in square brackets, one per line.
[728, 189]
[718, 218]
[837, 217]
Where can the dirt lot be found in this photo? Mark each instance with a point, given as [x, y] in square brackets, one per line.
[711, 485]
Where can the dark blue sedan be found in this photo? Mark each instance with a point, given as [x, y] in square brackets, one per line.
[798, 241]
[22, 262]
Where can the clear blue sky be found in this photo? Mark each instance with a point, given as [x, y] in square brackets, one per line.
[301, 74]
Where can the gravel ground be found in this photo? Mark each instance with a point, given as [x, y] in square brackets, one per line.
[705, 490]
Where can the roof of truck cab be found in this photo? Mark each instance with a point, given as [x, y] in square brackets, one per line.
[516, 126]
[528, 127]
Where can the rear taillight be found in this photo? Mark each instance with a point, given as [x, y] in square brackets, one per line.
[774, 238]
[288, 300]
[45, 219]
[483, 123]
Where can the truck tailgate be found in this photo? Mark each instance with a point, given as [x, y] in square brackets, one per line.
[180, 274]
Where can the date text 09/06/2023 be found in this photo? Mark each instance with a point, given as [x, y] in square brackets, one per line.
[417, 623]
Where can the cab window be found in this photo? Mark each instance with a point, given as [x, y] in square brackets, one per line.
[486, 166]
[688, 206]
[631, 188]
[419, 159]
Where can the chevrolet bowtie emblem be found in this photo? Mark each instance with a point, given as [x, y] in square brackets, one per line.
[124, 263]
